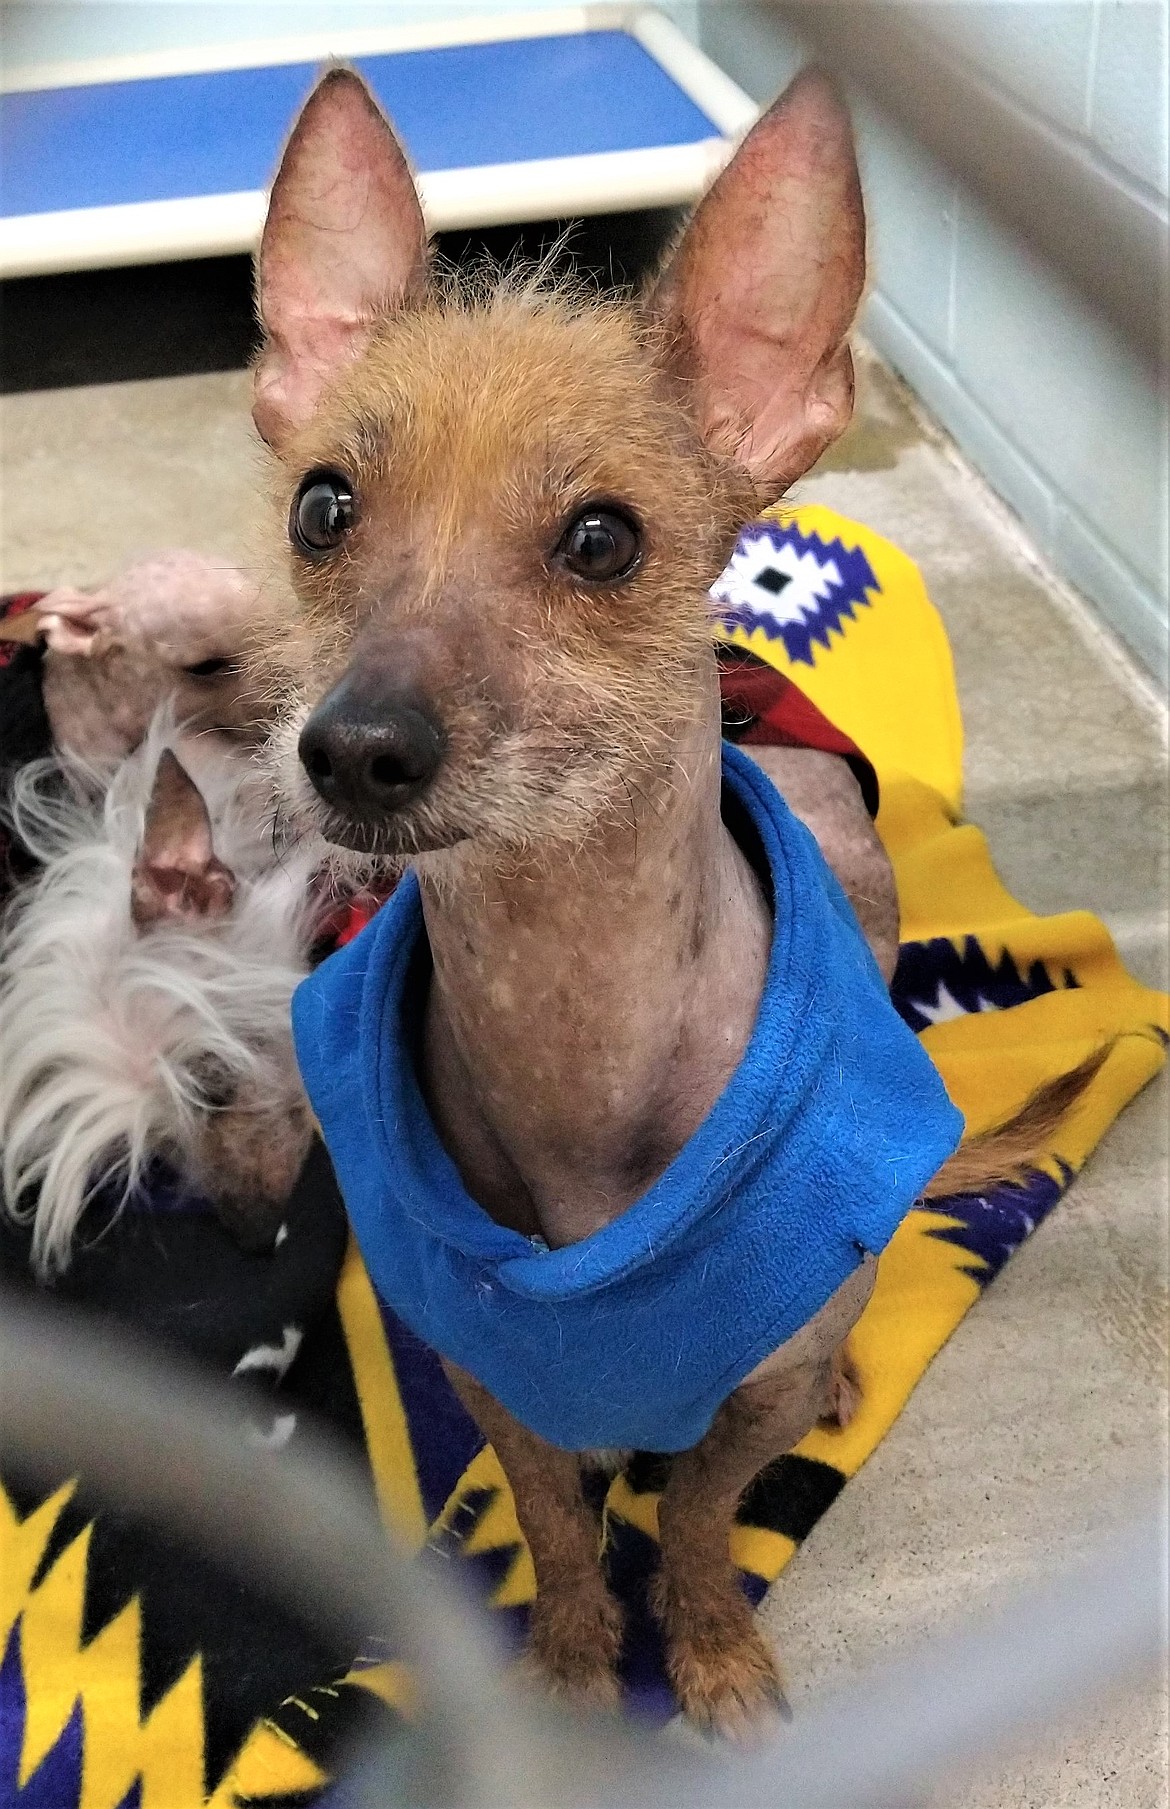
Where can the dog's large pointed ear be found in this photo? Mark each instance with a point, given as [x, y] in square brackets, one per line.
[760, 295]
[177, 877]
[344, 240]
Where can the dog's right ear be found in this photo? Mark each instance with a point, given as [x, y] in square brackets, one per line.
[177, 877]
[344, 241]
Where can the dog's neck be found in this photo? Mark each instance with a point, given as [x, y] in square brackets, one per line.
[586, 1011]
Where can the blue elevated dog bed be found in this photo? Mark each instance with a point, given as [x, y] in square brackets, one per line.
[139, 159]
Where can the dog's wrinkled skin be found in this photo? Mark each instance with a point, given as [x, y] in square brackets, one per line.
[171, 627]
[599, 940]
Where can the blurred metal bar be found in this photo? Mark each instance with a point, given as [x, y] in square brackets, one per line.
[156, 1436]
[960, 1696]
[1103, 240]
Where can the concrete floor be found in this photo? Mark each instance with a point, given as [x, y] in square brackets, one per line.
[1044, 1420]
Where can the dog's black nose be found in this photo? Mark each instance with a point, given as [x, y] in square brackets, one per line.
[368, 758]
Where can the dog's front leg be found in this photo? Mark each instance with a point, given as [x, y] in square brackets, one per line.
[575, 1633]
[724, 1674]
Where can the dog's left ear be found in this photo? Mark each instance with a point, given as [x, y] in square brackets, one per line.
[344, 241]
[761, 293]
[177, 876]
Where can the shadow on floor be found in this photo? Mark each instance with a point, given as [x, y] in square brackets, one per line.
[172, 320]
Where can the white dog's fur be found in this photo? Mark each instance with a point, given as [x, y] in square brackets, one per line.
[116, 1043]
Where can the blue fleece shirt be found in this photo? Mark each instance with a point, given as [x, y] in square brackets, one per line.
[826, 1133]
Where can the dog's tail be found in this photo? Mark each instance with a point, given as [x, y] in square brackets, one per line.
[1006, 1153]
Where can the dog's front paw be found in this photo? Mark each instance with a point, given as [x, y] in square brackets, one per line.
[573, 1647]
[725, 1676]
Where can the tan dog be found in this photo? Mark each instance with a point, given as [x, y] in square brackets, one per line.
[505, 510]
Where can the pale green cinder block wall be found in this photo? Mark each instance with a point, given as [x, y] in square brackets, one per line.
[1043, 397]
[58, 30]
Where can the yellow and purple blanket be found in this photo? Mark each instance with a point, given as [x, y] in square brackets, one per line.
[133, 1677]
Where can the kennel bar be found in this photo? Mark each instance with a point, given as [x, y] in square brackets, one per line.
[507, 118]
[80, 1398]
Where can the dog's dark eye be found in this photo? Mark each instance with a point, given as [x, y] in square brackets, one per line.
[217, 1085]
[323, 512]
[208, 668]
[600, 544]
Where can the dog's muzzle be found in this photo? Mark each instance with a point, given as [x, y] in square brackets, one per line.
[369, 756]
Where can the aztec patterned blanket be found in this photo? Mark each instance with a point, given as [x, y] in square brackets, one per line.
[134, 1677]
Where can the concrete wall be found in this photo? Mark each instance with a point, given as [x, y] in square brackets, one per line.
[1041, 395]
[54, 30]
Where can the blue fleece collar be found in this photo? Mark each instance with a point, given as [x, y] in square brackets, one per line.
[828, 1130]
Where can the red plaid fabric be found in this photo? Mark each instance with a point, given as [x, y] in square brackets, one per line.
[15, 605]
[764, 708]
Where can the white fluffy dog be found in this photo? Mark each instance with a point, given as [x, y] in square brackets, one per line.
[145, 980]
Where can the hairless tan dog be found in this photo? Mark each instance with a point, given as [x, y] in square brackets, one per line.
[505, 509]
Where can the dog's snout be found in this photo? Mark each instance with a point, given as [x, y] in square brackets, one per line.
[368, 758]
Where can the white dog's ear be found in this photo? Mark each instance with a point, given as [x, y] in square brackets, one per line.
[344, 240]
[176, 875]
[761, 293]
